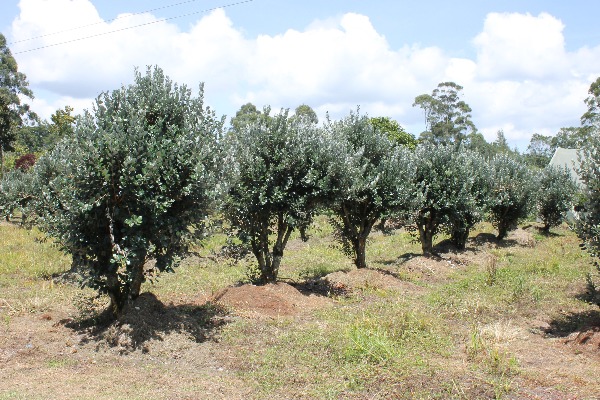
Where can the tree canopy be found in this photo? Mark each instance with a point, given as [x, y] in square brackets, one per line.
[395, 133]
[13, 84]
[138, 172]
[375, 181]
[447, 117]
[277, 172]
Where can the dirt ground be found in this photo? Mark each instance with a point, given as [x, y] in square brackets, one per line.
[176, 347]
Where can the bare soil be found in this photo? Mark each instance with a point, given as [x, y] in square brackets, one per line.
[271, 300]
[172, 349]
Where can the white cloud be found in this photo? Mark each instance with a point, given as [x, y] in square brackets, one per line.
[517, 46]
[522, 79]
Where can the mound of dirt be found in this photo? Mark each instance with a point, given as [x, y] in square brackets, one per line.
[360, 279]
[272, 300]
[429, 269]
[148, 320]
[522, 237]
[590, 337]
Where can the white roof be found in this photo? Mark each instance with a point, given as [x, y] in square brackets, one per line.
[569, 158]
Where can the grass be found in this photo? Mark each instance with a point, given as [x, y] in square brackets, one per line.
[452, 340]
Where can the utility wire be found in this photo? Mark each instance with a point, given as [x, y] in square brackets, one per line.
[133, 27]
[101, 22]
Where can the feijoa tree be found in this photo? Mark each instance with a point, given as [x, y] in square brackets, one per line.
[513, 193]
[452, 187]
[131, 184]
[555, 197]
[374, 178]
[468, 184]
[587, 224]
[277, 175]
[16, 194]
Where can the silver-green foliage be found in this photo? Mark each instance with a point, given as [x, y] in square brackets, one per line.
[374, 181]
[588, 221]
[469, 185]
[277, 175]
[15, 193]
[452, 184]
[513, 193]
[125, 188]
[555, 197]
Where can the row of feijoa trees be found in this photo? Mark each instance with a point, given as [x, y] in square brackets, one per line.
[150, 164]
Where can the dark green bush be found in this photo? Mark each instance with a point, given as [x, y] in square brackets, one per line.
[138, 172]
[555, 197]
[512, 195]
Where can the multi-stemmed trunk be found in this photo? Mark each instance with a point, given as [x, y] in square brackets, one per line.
[427, 225]
[269, 261]
[356, 230]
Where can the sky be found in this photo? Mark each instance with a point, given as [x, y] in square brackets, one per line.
[525, 65]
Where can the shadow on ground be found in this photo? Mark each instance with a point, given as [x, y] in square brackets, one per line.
[149, 319]
[570, 323]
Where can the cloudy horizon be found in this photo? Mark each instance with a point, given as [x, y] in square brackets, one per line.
[518, 72]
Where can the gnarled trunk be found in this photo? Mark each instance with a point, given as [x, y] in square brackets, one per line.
[269, 262]
[427, 229]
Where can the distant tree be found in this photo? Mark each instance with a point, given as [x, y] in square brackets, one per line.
[375, 178]
[306, 114]
[556, 191]
[13, 86]
[247, 114]
[512, 193]
[539, 151]
[395, 133]
[43, 136]
[447, 117]
[591, 118]
[570, 138]
[277, 173]
[469, 194]
[477, 143]
[133, 183]
[501, 144]
[16, 194]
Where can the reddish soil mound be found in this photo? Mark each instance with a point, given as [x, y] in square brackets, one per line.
[369, 279]
[276, 299]
[590, 337]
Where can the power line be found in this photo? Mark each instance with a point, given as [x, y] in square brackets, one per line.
[133, 27]
[101, 22]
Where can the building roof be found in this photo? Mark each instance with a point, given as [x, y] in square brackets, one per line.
[567, 157]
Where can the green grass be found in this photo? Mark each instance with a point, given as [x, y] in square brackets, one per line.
[27, 264]
[448, 341]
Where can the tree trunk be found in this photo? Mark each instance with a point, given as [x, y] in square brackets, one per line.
[269, 262]
[426, 233]
[502, 231]
[360, 250]
[546, 228]
[137, 278]
[459, 237]
[113, 289]
[359, 243]
[1, 162]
